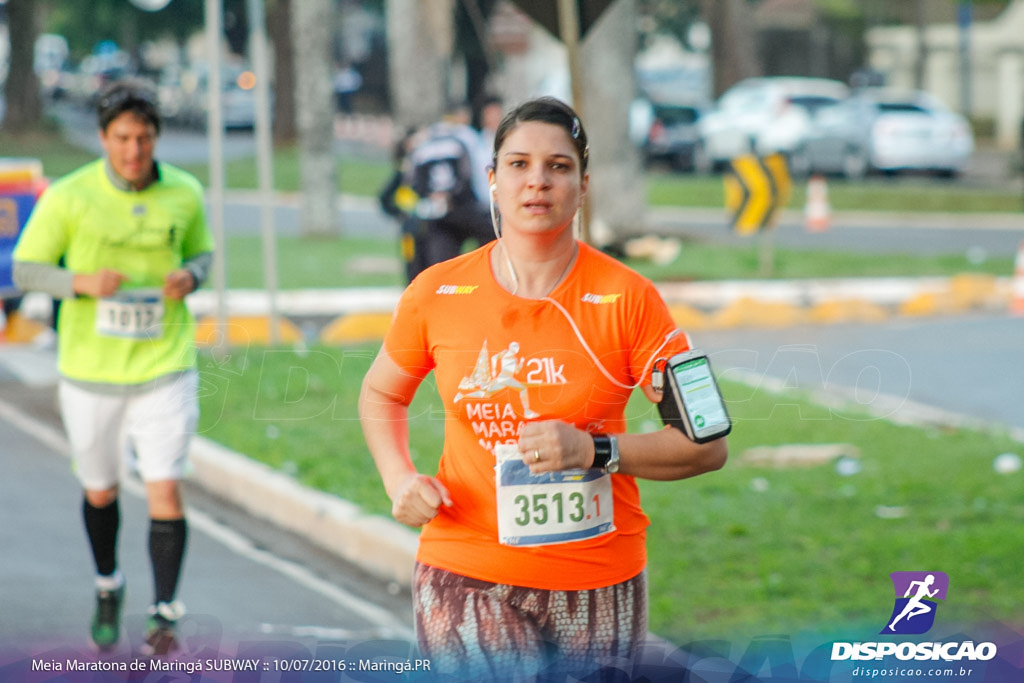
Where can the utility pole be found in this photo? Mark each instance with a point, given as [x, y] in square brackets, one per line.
[964, 20]
[265, 156]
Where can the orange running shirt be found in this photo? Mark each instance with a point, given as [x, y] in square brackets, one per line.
[499, 361]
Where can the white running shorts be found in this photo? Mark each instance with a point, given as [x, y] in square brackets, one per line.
[149, 432]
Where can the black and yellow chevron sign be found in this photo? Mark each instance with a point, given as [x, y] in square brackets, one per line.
[756, 189]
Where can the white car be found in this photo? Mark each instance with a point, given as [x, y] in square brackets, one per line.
[763, 116]
[886, 130]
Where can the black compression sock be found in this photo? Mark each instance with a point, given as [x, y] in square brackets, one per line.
[101, 526]
[166, 552]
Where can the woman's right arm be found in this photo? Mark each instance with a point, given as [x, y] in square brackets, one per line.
[384, 415]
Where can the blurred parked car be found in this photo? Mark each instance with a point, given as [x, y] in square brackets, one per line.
[666, 131]
[174, 89]
[886, 130]
[763, 116]
[238, 98]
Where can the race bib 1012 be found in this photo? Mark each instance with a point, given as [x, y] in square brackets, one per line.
[136, 314]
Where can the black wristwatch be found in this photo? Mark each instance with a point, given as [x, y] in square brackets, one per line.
[606, 453]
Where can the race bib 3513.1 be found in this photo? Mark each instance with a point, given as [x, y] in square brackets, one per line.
[553, 507]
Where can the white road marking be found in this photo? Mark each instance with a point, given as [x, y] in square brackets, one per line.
[376, 615]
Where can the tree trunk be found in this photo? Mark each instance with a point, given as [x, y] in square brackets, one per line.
[733, 41]
[616, 200]
[278, 25]
[24, 108]
[314, 105]
[420, 34]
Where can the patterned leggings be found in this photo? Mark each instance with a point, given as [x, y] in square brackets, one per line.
[476, 630]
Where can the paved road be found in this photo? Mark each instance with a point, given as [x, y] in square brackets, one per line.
[921, 369]
[245, 583]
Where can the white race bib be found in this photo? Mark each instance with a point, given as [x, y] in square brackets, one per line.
[553, 507]
[135, 314]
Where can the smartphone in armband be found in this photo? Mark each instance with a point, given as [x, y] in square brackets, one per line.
[691, 400]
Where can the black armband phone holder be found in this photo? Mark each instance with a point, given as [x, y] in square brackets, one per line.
[690, 399]
[668, 406]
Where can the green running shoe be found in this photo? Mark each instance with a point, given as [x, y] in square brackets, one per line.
[106, 621]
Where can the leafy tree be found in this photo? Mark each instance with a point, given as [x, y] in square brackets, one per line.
[85, 24]
[673, 17]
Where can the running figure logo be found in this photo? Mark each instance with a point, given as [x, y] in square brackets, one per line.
[490, 378]
[914, 612]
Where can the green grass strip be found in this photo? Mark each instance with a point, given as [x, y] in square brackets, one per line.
[743, 551]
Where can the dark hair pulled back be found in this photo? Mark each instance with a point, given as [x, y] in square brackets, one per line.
[546, 110]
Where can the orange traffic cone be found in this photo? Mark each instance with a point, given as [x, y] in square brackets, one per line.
[1017, 294]
[817, 213]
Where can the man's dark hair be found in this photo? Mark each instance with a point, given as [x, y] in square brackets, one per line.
[135, 96]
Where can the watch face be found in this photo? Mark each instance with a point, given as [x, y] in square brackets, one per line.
[613, 465]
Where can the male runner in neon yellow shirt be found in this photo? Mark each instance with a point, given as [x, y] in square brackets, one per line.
[122, 241]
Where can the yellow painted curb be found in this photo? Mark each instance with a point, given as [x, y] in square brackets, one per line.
[688, 317]
[847, 311]
[926, 303]
[749, 312]
[356, 327]
[969, 291]
[21, 330]
[244, 330]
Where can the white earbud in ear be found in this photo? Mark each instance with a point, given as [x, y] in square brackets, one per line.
[494, 188]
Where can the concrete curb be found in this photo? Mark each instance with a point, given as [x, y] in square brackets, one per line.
[384, 548]
[364, 314]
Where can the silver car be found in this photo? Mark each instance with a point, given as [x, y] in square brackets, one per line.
[763, 116]
[885, 130]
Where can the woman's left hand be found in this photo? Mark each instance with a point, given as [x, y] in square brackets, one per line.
[552, 445]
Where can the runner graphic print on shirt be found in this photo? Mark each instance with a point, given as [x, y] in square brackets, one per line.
[532, 509]
[498, 421]
[501, 373]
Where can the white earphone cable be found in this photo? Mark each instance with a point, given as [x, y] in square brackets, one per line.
[593, 356]
[572, 323]
[497, 235]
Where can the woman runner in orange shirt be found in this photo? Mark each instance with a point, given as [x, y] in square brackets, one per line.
[532, 554]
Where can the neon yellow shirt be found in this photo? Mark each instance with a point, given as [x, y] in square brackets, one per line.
[144, 235]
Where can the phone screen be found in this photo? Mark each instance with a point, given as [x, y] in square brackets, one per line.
[705, 410]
